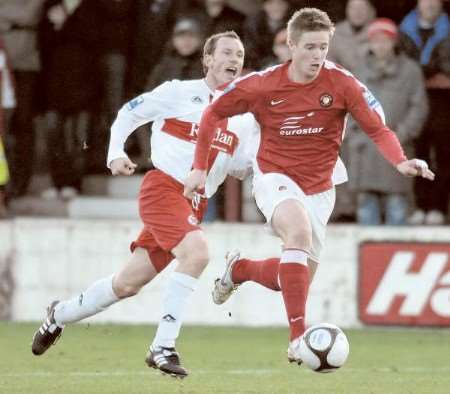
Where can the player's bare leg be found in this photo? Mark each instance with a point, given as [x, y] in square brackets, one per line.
[96, 298]
[192, 256]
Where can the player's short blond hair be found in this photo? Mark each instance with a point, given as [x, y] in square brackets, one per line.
[211, 44]
[308, 19]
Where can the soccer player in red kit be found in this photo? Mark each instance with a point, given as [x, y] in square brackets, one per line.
[302, 108]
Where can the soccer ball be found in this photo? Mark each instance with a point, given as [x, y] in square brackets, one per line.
[324, 348]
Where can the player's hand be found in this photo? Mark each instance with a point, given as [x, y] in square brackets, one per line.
[122, 166]
[195, 182]
[415, 167]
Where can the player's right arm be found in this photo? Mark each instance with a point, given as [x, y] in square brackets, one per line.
[137, 112]
[238, 97]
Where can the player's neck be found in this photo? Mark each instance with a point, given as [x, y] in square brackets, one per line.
[297, 76]
[211, 82]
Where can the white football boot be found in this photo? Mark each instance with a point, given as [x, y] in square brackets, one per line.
[293, 352]
[224, 286]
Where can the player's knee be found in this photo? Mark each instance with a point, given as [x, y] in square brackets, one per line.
[199, 255]
[193, 250]
[124, 289]
[298, 237]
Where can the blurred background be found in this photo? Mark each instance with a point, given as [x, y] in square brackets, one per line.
[67, 66]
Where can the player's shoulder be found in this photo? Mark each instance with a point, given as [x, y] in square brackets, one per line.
[255, 78]
[337, 71]
[184, 84]
[341, 79]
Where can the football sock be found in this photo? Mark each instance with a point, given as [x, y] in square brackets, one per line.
[264, 272]
[94, 299]
[294, 280]
[179, 289]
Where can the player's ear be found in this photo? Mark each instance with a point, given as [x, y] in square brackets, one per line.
[207, 60]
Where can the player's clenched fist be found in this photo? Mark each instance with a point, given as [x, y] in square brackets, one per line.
[194, 182]
[122, 166]
[415, 167]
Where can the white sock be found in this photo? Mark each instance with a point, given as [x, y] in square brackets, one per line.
[94, 299]
[179, 289]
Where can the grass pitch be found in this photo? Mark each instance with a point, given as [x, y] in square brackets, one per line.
[110, 359]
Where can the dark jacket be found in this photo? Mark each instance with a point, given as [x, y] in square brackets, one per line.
[175, 66]
[258, 38]
[69, 77]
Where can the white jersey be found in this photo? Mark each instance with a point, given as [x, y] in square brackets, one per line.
[175, 108]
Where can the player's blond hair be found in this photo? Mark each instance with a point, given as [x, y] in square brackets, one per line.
[308, 19]
[211, 44]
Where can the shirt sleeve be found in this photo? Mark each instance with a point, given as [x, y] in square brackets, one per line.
[237, 98]
[142, 109]
[242, 161]
[367, 111]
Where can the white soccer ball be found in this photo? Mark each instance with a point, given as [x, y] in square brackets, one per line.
[324, 347]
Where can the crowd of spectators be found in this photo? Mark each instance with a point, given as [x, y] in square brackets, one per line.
[74, 63]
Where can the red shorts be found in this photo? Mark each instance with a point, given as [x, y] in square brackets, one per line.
[167, 215]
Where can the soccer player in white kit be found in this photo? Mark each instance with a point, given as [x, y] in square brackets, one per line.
[302, 107]
[171, 221]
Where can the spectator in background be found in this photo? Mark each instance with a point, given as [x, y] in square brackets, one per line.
[218, 17]
[426, 37]
[18, 20]
[154, 23]
[397, 82]
[181, 60]
[350, 42]
[347, 48]
[114, 20]
[281, 52]
[260, 30]
[8, 101]
[69, 88]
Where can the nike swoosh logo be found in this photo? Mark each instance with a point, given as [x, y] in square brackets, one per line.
[296, 319]
[275, 102]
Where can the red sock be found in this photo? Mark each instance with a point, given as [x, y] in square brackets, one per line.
[294, 280]
[264, 272]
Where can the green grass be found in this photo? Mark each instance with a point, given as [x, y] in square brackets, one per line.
[109, 359]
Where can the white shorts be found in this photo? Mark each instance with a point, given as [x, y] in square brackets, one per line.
[271, 189]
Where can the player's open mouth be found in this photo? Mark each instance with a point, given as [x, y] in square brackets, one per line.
[231, 70]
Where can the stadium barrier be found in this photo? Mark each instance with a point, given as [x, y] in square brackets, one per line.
[377, 275]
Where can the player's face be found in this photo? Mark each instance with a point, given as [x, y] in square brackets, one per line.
[226, 62]
[309, 53]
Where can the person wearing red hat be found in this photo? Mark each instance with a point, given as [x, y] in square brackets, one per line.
[397, 82]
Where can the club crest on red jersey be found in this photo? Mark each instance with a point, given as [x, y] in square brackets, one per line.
[326, 100]
[192, 220]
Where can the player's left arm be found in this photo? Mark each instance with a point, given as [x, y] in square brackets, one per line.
[237, 98]
[241, 165]
[367, 111]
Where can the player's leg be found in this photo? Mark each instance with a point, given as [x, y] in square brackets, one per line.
[238, 271]
[192, 256]
[137, 272]
[173, 221]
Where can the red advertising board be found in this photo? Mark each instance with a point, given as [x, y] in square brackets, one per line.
[404, 283]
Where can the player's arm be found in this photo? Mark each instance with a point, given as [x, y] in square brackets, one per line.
[137, 112]
[241, 165]
[237, 98]
[367, 111]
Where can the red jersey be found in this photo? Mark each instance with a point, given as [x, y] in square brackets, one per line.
[302, 125]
